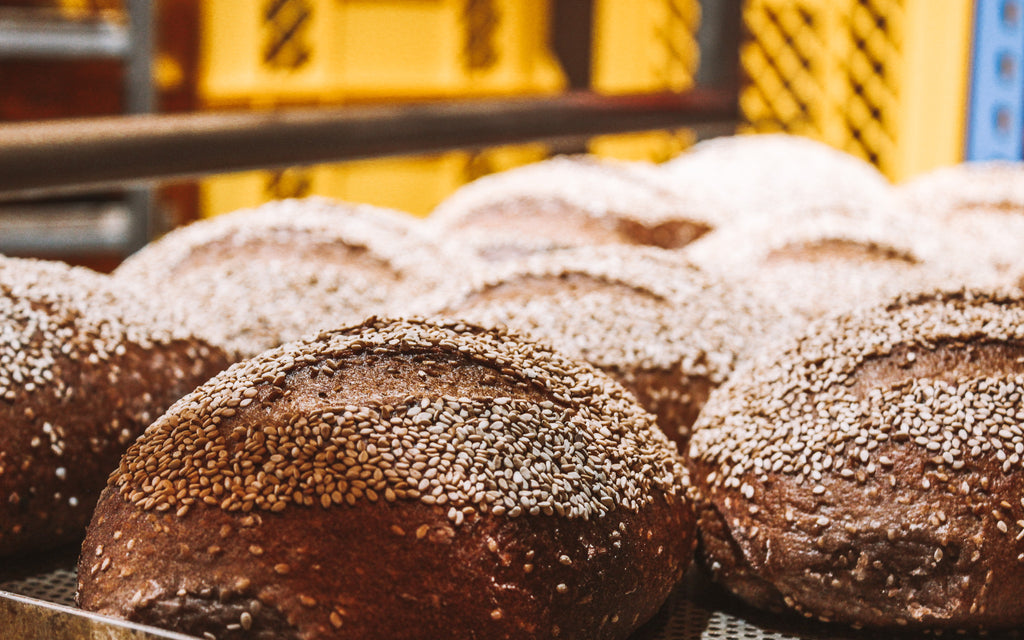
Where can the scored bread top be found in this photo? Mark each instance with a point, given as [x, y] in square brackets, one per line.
[570, 201]
[963, 188]
[941, 373]
[445, 414]
[771, 173]
[255, 278]
[621, 308]
[981, 208]
[823, 261]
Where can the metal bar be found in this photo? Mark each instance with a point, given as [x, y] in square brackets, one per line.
[24, 36]
[139, 91]
[140, 97]
[718, 40]
[79, 154]
[31, 619]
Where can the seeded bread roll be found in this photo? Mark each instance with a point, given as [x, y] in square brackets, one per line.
[747, 177]
[256, 278]
[83, 370]
[666, 330]
[981, 205]
[815, 263]
[567, 202]
[395, 480]
[870, 473]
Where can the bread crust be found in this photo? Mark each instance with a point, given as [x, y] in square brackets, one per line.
[666, 330]
[329, 488]
[570, 201]
[84, 370]
[870, 475]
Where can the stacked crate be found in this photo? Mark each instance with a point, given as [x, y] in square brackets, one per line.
[886, 80]
[275, 53]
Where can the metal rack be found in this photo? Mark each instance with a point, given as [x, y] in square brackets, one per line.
[89, 225]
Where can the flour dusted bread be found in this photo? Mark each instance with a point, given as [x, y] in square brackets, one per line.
[83, 370]
[746, 177]
[668, 331]
[256, 278]
[818, 262]
[395, 480]
[981, 207]
[569, 201]
[870, 473]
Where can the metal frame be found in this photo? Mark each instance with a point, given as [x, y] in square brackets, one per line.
[131, 151]
[43, 34]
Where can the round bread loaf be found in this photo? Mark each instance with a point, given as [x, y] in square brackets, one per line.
[256, 278]
[395, 480]
[870, 473]
[83, 370]
[666, 330]
[981, 206]
[750, 176]
[565, 202]
[811, 264]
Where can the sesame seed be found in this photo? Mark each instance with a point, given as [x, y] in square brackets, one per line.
[624, 458]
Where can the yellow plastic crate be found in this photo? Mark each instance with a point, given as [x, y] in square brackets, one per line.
[327, 51]
[882, 79]
[644, 46]
[414, 184]
[269, 52]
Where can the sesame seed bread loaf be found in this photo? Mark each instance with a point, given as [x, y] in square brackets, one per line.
[981, 207]
[397, 479]
[83, 370]
[818, 262]
[752, 176]
[568, 201]
[663, 328]
[870, 473]
[256, 278]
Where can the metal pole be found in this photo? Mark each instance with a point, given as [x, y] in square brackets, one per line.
[90, 153]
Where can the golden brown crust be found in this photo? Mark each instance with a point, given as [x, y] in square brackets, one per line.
[84, 370]
[395, 479]
[870, 473]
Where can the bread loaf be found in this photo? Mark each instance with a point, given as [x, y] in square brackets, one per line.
[981, 207]
[566, 202]
[817, 262]
[395, 480]
[747, 177]
[870, 473]
[666, 330]
[256, 278]
[83, 370]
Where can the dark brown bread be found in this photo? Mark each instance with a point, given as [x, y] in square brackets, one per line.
[871, 473]
[668, 331]
[565, 202]
[83, 370]
[395, 480]
[256, 278]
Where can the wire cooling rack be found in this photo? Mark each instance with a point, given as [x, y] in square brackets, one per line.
[696, 610]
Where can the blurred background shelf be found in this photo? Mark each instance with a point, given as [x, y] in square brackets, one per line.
[114, 224]
[906, 84]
